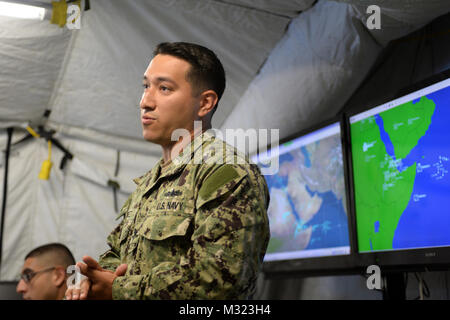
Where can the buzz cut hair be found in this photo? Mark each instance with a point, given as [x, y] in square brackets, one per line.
[206, 72]
[58, 250]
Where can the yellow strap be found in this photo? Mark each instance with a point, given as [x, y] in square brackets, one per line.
[32, 132]
[36, 135]
[59, 13]
[49, 149]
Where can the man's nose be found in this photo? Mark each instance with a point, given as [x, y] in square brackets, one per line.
[148, 99]
[21, 286]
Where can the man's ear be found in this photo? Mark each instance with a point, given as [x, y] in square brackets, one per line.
[59, 276]
[208, 99]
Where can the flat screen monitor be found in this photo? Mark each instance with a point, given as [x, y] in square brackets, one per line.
[308, 213]
[400, 154]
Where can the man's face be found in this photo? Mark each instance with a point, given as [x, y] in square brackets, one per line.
[168, 102]
[41, 286]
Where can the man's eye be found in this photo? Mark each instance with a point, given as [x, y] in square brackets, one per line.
[164, 88]
[27, 276]
[145, 86]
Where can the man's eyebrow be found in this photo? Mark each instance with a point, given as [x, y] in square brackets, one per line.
[27, 270]
[160, 79]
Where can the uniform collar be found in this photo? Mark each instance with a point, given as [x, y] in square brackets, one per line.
[150, 175]
[177, 164]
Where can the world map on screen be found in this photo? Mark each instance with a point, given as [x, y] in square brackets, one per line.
[307, 209]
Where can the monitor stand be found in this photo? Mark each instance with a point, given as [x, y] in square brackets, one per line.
[394, 286]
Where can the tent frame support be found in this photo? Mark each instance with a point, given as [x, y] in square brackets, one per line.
[5, 190]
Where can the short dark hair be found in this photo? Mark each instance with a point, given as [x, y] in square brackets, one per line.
[63, 253]
[206, 73]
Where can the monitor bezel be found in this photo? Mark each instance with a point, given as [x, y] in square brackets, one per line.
[403, 260]
[325, 265]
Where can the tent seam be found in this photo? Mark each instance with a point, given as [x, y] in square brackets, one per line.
[62, 72]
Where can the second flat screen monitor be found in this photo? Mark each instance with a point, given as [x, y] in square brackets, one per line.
[307, 210]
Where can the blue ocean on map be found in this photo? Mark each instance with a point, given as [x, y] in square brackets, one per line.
[330, 227]
[426, 220]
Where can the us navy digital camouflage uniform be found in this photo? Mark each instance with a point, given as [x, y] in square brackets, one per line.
[192, 231]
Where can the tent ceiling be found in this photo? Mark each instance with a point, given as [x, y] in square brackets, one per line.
[321, 60]
[31, 56]
[287, 8]
[400, 17]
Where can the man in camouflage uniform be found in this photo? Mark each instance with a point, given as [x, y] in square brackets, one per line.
[196, 226]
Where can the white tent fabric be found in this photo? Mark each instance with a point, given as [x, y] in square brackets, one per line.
[310, 73]
[90, 81]
[75, 206]
[288, 8]
[31, 57]
[400, 17]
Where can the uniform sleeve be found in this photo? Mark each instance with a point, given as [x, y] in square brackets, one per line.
[229, 241]
[110, 260]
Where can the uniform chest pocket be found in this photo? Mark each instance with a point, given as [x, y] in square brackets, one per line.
[163, 226]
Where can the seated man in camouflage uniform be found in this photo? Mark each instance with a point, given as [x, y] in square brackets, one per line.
[196, 226]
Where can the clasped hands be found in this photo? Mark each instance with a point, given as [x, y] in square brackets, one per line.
[98, 284]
